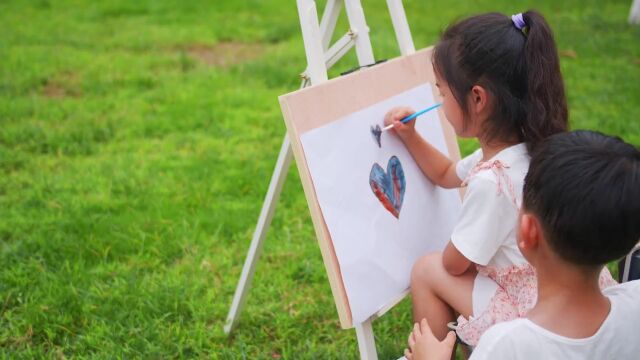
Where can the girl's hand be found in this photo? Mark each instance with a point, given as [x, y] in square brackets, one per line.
[424, 346]
[394, 116]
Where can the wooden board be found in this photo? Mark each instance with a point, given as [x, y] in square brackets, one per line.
[316, 106]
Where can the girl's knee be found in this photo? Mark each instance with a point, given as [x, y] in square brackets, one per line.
[425, 269]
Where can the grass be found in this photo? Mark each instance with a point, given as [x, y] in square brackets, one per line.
[136, 144]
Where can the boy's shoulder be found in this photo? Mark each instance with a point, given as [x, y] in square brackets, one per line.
[628, 290]
[501, 341]
[625, 298]
[522, 339]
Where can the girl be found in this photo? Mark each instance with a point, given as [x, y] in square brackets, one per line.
[500, 82]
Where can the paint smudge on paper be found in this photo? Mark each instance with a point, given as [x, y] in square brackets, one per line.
[376, 132]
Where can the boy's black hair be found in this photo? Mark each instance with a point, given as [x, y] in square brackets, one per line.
[520, 68]
[584, 187]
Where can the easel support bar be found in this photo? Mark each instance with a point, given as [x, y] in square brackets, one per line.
[634, 13]
[366, 340]
[401, 27]
[312, 37]
[269, 206]
[336, 51]
[359, 26]
[328, 22]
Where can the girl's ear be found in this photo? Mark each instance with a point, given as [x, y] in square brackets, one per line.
[479, 99]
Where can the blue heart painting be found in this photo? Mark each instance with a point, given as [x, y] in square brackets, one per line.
[389, 187]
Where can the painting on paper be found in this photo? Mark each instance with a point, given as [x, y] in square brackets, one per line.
[382, 213]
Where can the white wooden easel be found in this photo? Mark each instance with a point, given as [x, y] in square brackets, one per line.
[320, 57]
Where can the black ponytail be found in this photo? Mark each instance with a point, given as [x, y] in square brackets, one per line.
[545, 88]
[518, 66]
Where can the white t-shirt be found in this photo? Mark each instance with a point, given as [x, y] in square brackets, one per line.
[485, 231]
[617, 337]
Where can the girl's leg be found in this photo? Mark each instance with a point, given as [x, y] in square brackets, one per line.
[437, 295]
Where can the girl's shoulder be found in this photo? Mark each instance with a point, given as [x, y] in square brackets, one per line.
[511, 162]
[503, 174]
[464, 166]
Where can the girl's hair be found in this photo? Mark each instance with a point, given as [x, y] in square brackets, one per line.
[520, 68]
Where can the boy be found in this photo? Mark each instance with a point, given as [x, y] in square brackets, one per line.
[581, 210]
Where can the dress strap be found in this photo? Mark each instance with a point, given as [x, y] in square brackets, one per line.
[498, 168]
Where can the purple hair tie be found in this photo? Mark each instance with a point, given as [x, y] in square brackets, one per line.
[518, 21]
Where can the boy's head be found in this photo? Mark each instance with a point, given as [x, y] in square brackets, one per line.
[583, 189]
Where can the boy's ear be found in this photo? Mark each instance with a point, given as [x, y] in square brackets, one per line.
[479, 99]
[529, 233]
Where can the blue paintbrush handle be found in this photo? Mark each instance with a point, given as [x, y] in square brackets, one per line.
[415, 115]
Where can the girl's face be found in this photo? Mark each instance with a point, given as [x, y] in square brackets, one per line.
[453, 111]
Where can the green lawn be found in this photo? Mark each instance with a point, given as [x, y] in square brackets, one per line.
[137, 139]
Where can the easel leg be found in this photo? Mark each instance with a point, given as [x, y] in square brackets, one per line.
[401, 26]
[366, 341]
[634, 14]
[268, 208]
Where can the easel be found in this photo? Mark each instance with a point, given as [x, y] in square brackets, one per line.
[320, 57]
[634, 13]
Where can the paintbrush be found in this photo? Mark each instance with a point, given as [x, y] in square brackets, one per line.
[376, 131]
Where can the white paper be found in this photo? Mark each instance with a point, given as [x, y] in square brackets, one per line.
[376, 250]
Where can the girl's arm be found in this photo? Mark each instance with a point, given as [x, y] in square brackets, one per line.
[434, 164]
[485, 222]
[453, 261]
